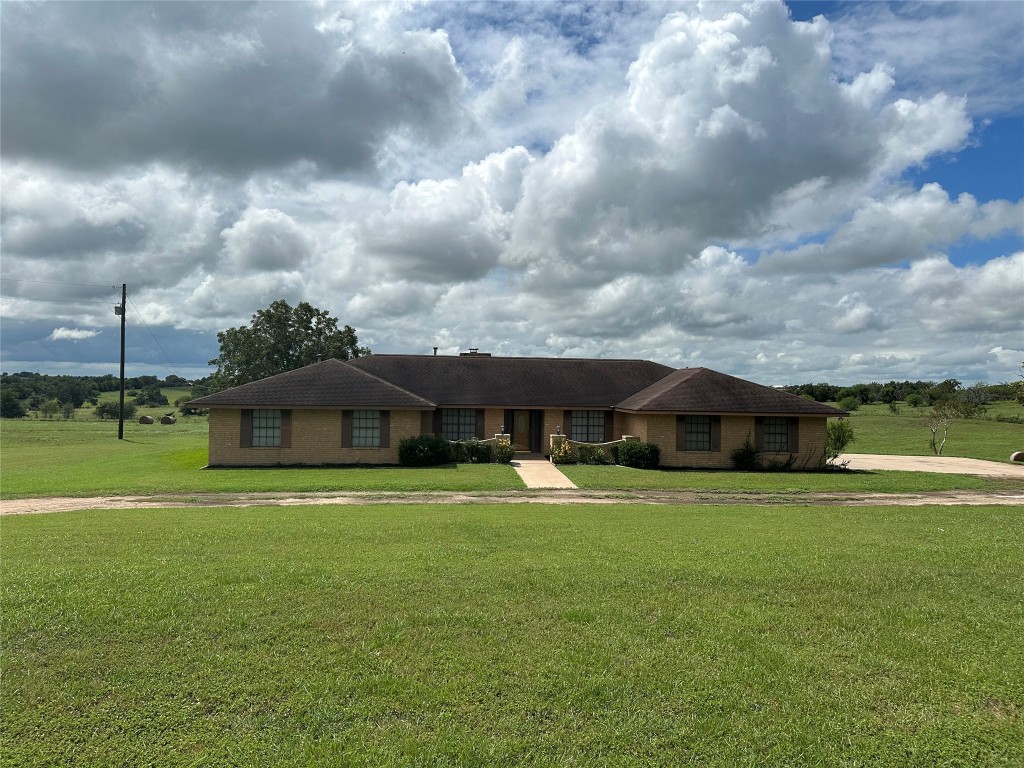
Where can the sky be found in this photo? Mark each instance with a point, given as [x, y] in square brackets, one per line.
[786, 193]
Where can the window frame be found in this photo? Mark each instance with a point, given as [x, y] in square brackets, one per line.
[775, 434]
[265, 428]
[692, 435]
[459, 424]
[589, 423]
[366, 428]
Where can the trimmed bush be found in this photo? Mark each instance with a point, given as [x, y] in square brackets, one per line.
[472, 452]
[424, 451]
[591, 454]
[638, 455]
[504, 453]
[563, 454]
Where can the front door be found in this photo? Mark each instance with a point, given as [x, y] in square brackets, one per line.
[521, 430]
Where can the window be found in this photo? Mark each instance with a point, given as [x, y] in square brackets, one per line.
[458, 423]
[266, 429]
[365, 429]
[776, 433]
[698, 433]
[588, 426]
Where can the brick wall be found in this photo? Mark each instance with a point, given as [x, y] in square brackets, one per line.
[661, 429]
[316, 439]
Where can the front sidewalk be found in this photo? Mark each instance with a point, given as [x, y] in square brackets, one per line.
[538, 472]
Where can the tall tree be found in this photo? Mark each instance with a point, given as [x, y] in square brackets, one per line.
[280, 338]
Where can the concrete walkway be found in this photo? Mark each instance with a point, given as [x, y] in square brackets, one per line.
[945, 464]
[538, 472]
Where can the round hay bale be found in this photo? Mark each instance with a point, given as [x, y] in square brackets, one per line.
[145, 419]
[1018, 456]
[167, 420]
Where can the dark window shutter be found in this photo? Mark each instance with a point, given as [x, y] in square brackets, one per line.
[567, 424]
[245, 433]
[759, 432]
[510, 418]
[286, 429]
[480, 424]
[385, 429]
[609, 426]
[716, 433]
[346, 429]
[794, 434]
[426, 422]
[680, 433]
[437, 422]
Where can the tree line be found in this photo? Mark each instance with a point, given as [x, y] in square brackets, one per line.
[914, 393]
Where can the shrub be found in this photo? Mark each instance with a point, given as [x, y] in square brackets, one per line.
[915, 400]
[504, 453]
[747, 457]
[1009, 419]
[839, 435]
[638, 455]
[424, 451]
[591, 454]
[563, 454]
[109, 409]
[895, 408]
[472, 452]
[849, 403]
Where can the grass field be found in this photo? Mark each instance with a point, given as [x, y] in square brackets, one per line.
[510, 635]
[85, 458]
[616, 478]
[878, 430]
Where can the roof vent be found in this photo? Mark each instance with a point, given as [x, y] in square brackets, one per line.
[474, 352]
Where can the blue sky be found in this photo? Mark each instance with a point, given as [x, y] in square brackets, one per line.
[812, 191]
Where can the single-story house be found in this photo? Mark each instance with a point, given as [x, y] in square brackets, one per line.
[357, 411]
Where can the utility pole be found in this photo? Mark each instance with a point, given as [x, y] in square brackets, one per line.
[121, 311]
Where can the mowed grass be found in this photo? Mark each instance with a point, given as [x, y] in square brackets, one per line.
[615, 478]
[514, 635]
[878, 430]
[85, 458]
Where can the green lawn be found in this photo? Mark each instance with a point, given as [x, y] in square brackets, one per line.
[612, 478]
[514, 635]
[85, 458]
[878, 430]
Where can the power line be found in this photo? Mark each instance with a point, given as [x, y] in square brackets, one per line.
[170, 365]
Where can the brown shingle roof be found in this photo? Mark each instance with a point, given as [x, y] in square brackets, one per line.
[520, 382]
[330, 384]
[701, 390]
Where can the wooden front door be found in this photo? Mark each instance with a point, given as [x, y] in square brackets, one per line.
[521, 430]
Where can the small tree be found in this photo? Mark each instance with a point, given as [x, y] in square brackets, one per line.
[10, 406]
[839, 434]
[49, 408]
[110, 410]
[849, 403]
[939, 418]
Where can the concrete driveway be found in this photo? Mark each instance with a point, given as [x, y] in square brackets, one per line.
[947, 464]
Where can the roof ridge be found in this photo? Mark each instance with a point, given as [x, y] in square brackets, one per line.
[514, 357]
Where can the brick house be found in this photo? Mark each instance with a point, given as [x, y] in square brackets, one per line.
[357, 411]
